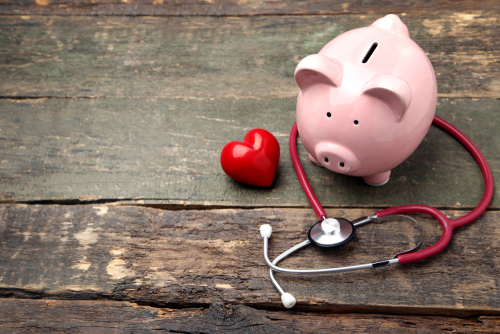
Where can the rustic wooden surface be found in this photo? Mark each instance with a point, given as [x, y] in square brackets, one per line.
[56, 316]
[77, 150]
[207, 57]
[166, 258]
[116, 217]
[235, 7]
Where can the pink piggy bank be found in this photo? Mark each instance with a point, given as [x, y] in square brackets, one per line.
[366, 101]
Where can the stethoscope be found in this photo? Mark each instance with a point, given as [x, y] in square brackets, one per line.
[333, 232]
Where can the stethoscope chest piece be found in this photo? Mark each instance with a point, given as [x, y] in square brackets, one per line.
[331, 232]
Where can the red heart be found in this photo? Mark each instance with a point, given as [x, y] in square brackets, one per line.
[255, 161]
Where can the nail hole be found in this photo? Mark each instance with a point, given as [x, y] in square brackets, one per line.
[341, 164]
[370, 52]
[329, 114]
[356, 122]
[326, 160]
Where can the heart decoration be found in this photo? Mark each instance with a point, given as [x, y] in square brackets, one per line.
[255, 161]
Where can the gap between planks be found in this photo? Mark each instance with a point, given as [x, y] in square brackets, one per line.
[94, 97]
[208, 207]
[21, 294]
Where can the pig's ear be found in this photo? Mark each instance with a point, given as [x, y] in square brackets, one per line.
[392, 23]
[318, 69]
[392, 90]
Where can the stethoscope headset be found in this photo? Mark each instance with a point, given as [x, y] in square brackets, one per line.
[333, 232]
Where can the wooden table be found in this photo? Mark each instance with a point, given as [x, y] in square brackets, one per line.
[116, 216]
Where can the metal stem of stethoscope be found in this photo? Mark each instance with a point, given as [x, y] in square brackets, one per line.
[287, 299]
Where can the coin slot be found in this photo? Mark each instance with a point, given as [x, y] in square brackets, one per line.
[370, 52]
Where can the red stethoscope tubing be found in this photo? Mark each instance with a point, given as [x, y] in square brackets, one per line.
[447, 224]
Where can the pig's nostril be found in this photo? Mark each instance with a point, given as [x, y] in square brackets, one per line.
[341, 164]
[356, 122]
[328, 114]
[326, 160]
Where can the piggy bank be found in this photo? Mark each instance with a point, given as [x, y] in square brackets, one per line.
[366, 101]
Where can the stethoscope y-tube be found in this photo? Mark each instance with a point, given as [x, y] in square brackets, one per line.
[327, 232]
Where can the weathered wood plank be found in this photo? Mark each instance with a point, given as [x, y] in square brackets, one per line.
[233, 7]
[56, 316]
[166, 151]
[193, 258]
[207, 57]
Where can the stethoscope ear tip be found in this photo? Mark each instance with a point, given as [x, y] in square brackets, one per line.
[266, 230]
[288, 300]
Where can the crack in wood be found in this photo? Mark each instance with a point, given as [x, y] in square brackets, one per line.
[216, 317]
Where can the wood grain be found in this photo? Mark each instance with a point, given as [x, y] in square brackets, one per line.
[188, 259]
[209, 57]
[166, 152]
[56, 316]
[133, 107]
[234, 7]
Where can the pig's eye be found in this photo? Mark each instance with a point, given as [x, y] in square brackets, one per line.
[356, 122]
[328, 114]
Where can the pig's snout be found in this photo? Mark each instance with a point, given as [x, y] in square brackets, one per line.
[336, 158]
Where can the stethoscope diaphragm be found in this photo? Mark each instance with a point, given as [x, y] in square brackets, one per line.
[331, 232]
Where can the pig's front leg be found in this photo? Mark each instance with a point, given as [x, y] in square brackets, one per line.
[377, 179]
[313, 159]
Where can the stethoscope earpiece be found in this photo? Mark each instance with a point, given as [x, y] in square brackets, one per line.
[266, 231]
[288, 300]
